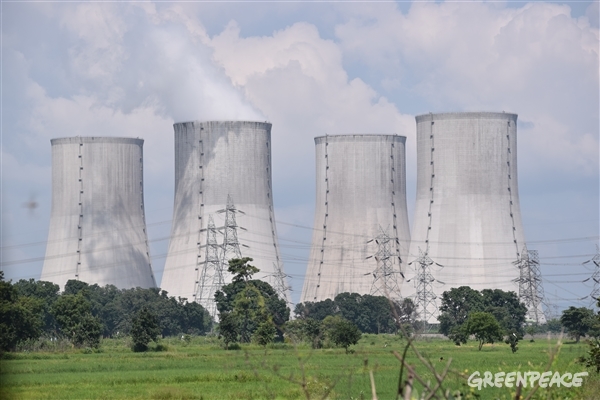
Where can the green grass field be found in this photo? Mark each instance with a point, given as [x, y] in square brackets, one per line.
[202, 369]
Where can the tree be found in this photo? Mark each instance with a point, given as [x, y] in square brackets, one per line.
[351, 307]
[506, 308]
[341, 331]
[47, 293]
[75, 319]
[249, 301]
[241, 270]
[306, 329]
[531, 330]
[458, 334]
[459, 303]
[406, 313]
[316, 310]
[250, 311]
[144, 329]
[484, 327]
[228, 328]
[265, 333]
[197, 319]
[20, 317]
[456, 305]
[577, 321]
[371, 314]
[513, 340]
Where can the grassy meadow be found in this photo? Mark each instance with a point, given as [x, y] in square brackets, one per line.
[201, 369]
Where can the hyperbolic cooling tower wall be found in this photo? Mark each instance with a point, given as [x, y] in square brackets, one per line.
[97, 225]
[467, 215]
[214, 160]
[361, 190]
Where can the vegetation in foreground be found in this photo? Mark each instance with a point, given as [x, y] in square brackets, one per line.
[198, 367]
[43, 328]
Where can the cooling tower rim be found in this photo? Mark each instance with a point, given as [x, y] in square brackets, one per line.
[96, 139]
[466, 115]
[223, 122]
[365, 137]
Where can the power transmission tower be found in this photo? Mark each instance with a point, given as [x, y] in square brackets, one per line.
[211, 278]
[531, 290]
[595, 277]
[231, 245]
[425, 296]
[280, 285]
[385, 282]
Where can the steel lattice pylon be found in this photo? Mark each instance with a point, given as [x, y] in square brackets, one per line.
[211, 278]
[595, 294]
[280, 285]
[531, 291]
[231, 245]
[385, 282]
[424, 296]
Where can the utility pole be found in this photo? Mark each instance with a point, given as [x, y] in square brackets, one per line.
[211, 278]
[385, 282]
[531, 290]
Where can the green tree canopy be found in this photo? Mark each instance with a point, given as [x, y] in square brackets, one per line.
[144, 329]
[577, 321]
[341, 331]
[229, 328]
[456, 305]
[226, 297]
[459, 303]
[304, 330]
[248, 303]
[20, 316]
[74, 316]
[47, 293]
[484, 327]
[506, 308]
[241, 270]
[372, 314]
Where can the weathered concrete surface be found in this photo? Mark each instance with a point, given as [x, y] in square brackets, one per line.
[97, 224]
[213, 160]
[361, 186]
[467, 215]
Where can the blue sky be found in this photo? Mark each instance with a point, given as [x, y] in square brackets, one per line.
[113, 69]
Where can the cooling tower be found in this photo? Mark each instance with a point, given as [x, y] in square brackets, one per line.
[97, 225]
[467, 228]
[361, 232]
[215, 161]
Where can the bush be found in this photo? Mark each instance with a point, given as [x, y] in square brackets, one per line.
[341, 331]
[144, 330]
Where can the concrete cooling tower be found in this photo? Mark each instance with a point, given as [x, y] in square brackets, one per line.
[97, 225]
[361, 232]
[467, 228]
[223, 209]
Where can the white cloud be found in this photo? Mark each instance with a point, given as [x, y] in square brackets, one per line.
[297, 80]
[535, 60]
[99, 28]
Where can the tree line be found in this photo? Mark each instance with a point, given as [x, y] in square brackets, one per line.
[84, 313]
[250, 310]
